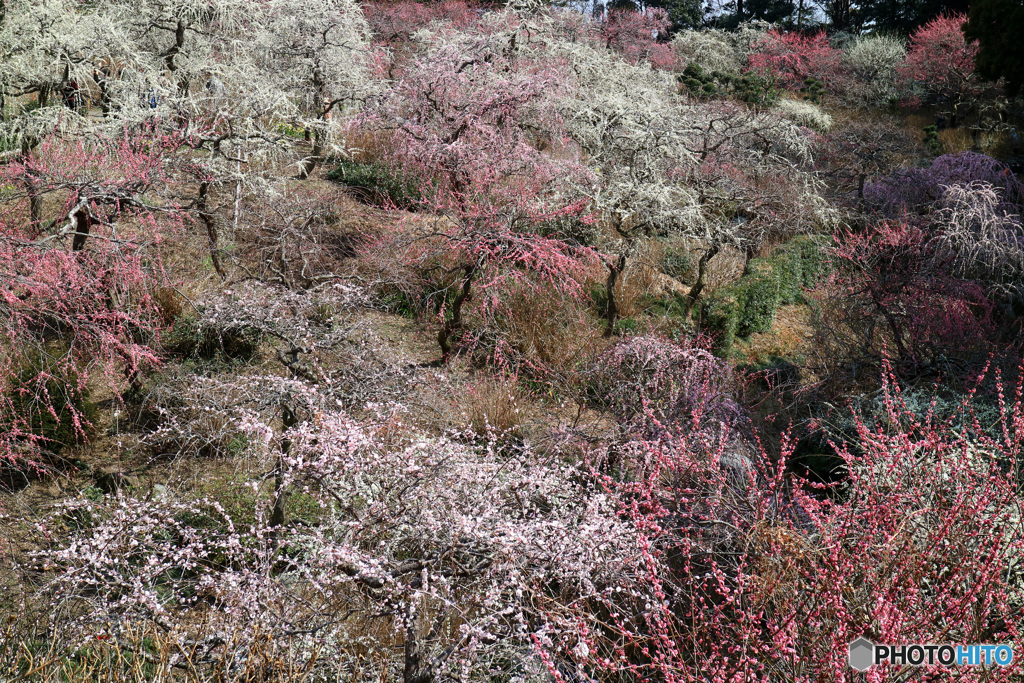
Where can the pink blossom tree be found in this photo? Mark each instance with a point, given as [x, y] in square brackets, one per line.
[893, 294]
[634, 34]
[84, 308]
[395, 23]
[470, 114]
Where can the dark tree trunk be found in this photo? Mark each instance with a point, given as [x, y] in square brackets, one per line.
[702, 273]
[308, 165]
[35, 198]
[277, 512]
[101, 82]
[35, 202]
[411, 670]
[82, 225]
[612, 311]
[455, 322]
[749, 254]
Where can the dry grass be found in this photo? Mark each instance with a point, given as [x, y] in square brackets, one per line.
[146, 653]
[725, 268]
[791, 336]
[639, 282]
[368, 146]
[995, 143]
[495, 407]
[544, 328]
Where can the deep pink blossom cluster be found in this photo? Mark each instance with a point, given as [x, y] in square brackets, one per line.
[396, 22]
[791, 58]
[634, 34]
[941, 60]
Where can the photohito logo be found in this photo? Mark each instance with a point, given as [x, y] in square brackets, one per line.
[864, 654]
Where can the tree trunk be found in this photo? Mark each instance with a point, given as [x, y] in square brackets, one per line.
[210, 223]
[277, 512]
[455, 322]
[702, 273]
[35, 199]
[307, 165]
[35, 202]
[748, 255]
[82, 225]
[612, 311]
[101, 83]
[411, 670]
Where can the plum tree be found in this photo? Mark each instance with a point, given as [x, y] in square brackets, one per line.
[70, 314]
[941, 61]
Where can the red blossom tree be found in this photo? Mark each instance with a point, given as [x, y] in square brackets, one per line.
[394, 23]
[758, 574]
[894, 293]
[941, 61]
[635, 35]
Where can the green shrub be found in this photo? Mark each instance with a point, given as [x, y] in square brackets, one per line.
[754, 88]
[760, 298]
[748, 306]
[673, 306]
[189, 338]
[397, 301]
[626, 326]
[291, 131]
[677, 262]
[813, 264]
[376, 184]
[931, 140]
[813, 89]
[720, 315]
[699, 82]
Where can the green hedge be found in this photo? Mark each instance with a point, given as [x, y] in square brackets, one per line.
[748, 306]
[376, 183]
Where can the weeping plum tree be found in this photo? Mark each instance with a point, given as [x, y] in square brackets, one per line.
[630, 125]
[667, 166]
[634, 35]
[469, 110]
[317, 53]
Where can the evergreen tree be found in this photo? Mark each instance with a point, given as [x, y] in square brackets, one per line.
[902, 17]
[998, 26]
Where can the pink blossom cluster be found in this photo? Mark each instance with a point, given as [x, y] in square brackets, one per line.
[72, 311]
